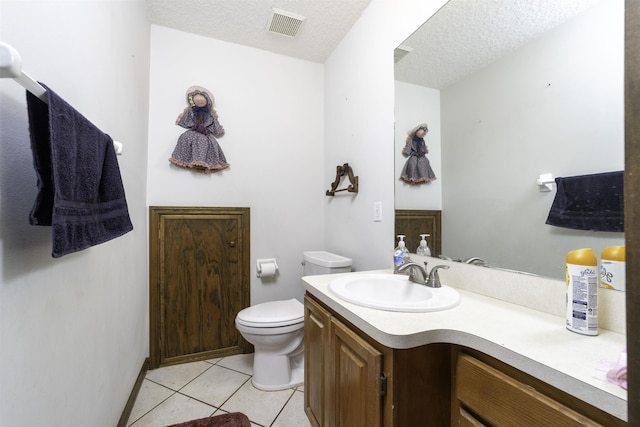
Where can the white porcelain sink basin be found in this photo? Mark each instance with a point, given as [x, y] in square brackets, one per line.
[393, 292]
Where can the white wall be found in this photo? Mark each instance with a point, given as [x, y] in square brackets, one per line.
[553, 106]
[73, 330]
[359, 128]
[414, 105]
[271, 107]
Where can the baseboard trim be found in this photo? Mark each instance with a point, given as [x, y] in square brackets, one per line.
[126, 412]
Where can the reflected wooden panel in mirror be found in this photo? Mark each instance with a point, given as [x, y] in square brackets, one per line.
[413, 223]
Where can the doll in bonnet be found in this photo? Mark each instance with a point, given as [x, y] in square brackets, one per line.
[197, 147]
[417, 168]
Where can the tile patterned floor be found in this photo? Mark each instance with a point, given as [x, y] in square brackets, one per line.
[188, 391]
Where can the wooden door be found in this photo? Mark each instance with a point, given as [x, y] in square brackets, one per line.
[317, 338]
[199, 281]
[357, 369]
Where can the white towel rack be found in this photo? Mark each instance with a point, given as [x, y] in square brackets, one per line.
[11, 67]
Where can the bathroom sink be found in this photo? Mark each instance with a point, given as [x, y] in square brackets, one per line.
[393, 292]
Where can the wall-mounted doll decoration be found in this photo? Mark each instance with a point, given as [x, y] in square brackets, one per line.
[197, 147]
[417, 169]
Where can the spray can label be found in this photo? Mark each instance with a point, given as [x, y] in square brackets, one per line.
[612, 275]
[582, 299]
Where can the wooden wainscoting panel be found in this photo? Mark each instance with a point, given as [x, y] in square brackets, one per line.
[199, 280]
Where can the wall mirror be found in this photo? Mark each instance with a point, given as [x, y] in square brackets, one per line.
[511, 90]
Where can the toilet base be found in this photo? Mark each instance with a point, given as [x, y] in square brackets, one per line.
[281, 372]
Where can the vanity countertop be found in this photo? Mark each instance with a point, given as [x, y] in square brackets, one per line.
[532, 341]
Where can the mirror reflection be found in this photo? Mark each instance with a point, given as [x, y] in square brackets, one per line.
[511, 90]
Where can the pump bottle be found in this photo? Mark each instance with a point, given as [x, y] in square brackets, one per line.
[423, 248]
[400, 254]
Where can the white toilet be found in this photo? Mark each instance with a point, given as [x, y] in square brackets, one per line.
[276, 331]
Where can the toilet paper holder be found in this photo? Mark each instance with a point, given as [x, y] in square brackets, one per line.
[264, 269]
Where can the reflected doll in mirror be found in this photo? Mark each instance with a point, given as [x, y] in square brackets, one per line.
[197, 147]
[417, 169]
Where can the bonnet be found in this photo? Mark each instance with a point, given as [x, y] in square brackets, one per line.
[412, 133]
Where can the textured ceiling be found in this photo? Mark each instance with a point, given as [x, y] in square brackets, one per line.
[244, 22]
[467, 35]
[464, 36]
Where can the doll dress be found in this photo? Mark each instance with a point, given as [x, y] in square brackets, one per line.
[417, 169]
[197, 149]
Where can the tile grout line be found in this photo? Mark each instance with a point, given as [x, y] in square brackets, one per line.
[213, 407]
[174, 392]
[217, 408]
[283, 406]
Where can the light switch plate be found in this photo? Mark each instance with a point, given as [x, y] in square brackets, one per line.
[377, 212]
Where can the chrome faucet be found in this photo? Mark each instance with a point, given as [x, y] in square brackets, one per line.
[476, 261]
[473, 260]
[418, 274]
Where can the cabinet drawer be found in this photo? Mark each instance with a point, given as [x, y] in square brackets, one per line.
[503, 401]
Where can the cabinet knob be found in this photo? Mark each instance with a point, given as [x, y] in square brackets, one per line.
[232, 244]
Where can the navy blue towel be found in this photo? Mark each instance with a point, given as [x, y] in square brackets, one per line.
[80, 191]
[589, 202]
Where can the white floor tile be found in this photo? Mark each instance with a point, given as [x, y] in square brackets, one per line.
[261, 407]
[177, 376]
[239, 362]
[292, 414]
[176, 409]
[149, 396]
[216, 385]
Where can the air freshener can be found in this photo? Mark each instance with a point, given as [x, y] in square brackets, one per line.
[582, 291]
[612, 268]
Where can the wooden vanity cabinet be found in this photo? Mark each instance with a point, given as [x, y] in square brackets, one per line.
[489, 393]
[353, 381]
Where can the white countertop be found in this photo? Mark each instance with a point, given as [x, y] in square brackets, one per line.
[532, 341]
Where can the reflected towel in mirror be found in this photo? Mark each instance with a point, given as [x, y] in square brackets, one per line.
[589, 202]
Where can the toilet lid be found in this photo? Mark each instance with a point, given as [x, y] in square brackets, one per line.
[272, 314]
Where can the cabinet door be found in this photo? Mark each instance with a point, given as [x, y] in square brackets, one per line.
[199, 281]
[357, 368]
[317, 337]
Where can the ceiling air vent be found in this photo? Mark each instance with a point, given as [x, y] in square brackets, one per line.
[400, 52]
[284, 23]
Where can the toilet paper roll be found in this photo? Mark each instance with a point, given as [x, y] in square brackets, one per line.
[268, 269]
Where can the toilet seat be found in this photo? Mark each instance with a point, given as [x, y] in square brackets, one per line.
[272, 314]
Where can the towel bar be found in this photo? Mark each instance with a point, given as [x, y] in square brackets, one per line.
[11, 67]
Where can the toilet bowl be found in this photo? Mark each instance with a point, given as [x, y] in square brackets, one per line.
[276, 330]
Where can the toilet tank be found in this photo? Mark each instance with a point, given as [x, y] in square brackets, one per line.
[320, 262]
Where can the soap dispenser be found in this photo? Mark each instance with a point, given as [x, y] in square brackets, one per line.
[400, 254]
[423, 249]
